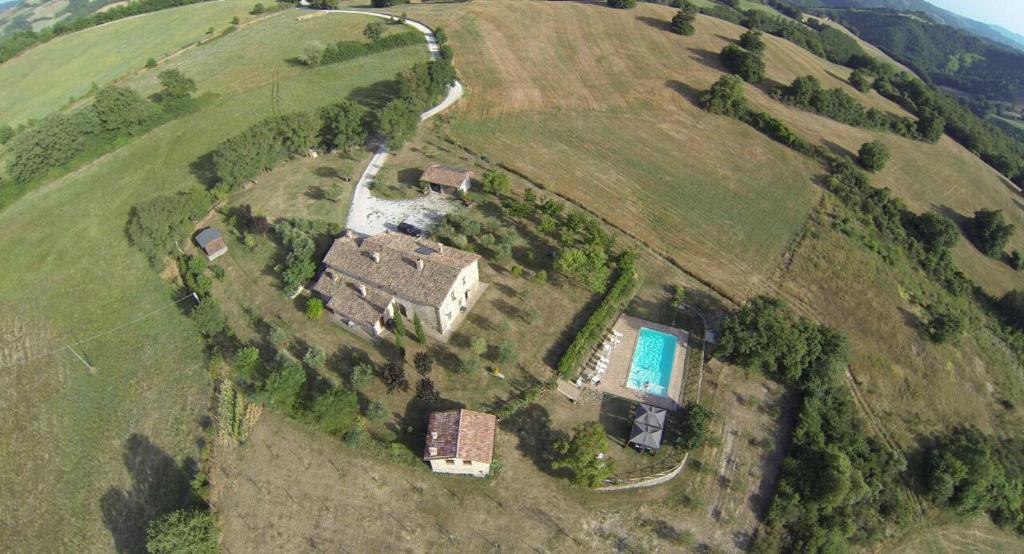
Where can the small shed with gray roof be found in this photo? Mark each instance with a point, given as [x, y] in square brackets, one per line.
[212, 243]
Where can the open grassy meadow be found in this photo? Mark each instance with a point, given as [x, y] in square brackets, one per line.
[43, 79]
[74, 477]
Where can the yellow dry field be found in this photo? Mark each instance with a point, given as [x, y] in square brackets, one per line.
[599, 105]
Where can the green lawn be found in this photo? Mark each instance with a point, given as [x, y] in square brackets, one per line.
[42, 79]
[68, 273]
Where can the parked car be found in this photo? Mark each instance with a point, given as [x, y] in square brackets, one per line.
[410, 229]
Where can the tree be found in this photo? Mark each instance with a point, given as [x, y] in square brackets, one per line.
[235, 20]
[120, 109]
[315, 357]
[1016, 261]
[157, 225]
[495, 181]
[860, 80]
[423, 363]
[417, 326]
[399, 330]
[579, 454]
[873, 155]
[478, 346]
[440, 35]
[175, 85]
[682, 21]
[373, 31]
[181, 531]
[748, 65]
[426, 391]
[312, 53]
[587, 266]
[343, 125]
[752, 41]
[258, 9]
[246, 363]
[361, 376]
[693, 429]
[387, 3]
[622, 4]
[506, 352]
[337, 411]
[990, 232]
[314, 307]
[945, 324]
[283, 390]
[208, 317]
[150, 63]
[397, 121]
[393, 376]
[725, 97]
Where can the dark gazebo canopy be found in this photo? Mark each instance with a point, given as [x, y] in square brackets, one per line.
[646, 436]
[648, 426]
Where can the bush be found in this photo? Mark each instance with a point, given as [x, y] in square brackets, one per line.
[337, 411]
[257, 9]
[314, 307]
[247, 364]
[361, 376]
[423, 363]
[349, 50]
[315, 357]
[376, 412]
[622, 4]
[725, 97]
[426, 390]
[283, 389]
[682, 21]
[208, 317]
[150, 63]
[186, 530]
[748, 65]
[873, 155]
[860, 80]
[945, 324]
[387, 3]
[495, 181]
[752, 41]
[278, 338]
[990, 232]
[579, 455]
[694, 427]
[506, 352]
[393, 376]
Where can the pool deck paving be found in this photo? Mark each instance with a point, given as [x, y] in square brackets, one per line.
[620, 359]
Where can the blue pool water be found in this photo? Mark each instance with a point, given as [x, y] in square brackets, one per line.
[652, 363]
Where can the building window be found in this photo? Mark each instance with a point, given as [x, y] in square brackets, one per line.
[467, 462]
[463, 279]
[401, 308]
[448, 316]
[450, 462]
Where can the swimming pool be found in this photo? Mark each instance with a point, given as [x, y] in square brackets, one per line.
[653, 359]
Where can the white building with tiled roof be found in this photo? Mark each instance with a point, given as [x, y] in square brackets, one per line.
[460, 442]
[367, 281]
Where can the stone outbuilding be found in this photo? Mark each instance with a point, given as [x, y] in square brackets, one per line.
[446, 179]
[212, 243]
[460, 442]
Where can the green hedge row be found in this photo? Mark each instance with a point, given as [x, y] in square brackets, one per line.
[348, 49]
[618, 296]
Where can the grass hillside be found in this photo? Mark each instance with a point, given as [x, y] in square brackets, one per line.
[73, 481]
[612, 96]
[42, 79]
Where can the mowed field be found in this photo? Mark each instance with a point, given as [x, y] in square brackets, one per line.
[43, 79]
[91, 454]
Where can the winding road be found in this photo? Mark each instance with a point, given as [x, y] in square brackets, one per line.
[369, 215]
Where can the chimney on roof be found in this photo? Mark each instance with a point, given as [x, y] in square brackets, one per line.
[419, 264]
[433, 435]
[347, 233]
[334, 276]
[432, 450]
[362, 290]
[440, 248]
[375, 256]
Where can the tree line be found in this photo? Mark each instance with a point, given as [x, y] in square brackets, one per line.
[115, 112]
[316, 54]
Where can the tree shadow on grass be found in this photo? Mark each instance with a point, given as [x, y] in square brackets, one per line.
[707, 57]
[376, 95]
[660, 24]
[159, 485]
[839, 150]
[686, 91]
[532, 426]
[204, 171]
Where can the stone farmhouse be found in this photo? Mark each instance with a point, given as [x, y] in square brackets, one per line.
[460, 442]
[445, 179]
[365, 282]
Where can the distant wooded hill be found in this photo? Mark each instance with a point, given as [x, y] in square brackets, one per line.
[945, 55]
[939, 15]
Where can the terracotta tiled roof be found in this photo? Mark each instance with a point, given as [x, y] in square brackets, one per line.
[215, 245]
[345, 299]
[462, 434]
[445, 175]
[210, 240]
[397, 273]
